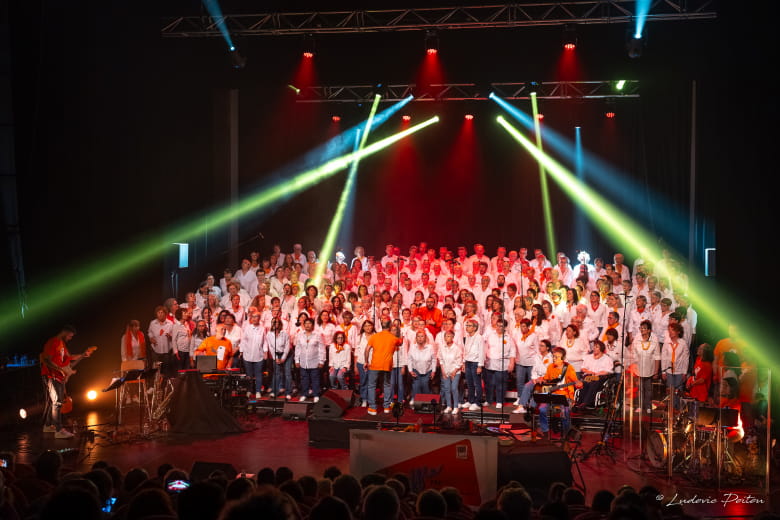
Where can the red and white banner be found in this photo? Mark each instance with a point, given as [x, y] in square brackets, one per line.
[430, 460]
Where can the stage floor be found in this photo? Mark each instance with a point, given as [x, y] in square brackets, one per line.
[273, 441]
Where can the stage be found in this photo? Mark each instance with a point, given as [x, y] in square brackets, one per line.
[309, 446]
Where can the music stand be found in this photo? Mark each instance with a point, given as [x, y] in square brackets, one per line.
[130, 375]
[552, 400]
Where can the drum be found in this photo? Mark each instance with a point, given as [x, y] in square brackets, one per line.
[657, 448]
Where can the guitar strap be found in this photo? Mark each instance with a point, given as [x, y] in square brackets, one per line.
[562, 377]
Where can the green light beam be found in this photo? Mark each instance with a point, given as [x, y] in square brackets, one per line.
[710, 302]
[338, 217]
[546, 206]
[97, 274]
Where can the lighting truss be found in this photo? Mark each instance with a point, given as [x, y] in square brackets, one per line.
[520, 14]
[468, 91]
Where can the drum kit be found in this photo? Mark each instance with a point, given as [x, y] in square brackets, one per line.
[703, 444]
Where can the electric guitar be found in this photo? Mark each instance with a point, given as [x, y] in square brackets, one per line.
[68, 370]
[547, 387]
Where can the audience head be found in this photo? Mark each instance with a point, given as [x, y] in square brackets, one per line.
[431, 503]
[330, 508]
[201, 501]
[381, 503]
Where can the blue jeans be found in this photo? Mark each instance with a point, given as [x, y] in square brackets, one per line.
[496, 385]
[282, 380]
[527, 394]
[363, 385]
[55, 394]
[254, 369]
[310, 382]
[473, 383]
[421, 383]
[373, 375]
[397, 383]
[523, 375]
[675, 381]
[338, 375]
[449, 391]
[544, 420]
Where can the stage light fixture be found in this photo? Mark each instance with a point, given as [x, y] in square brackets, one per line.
[570, 37]
[634, 47]
[92, 395]
[540, 116]
[294, 89]
[335, 119]
[620, 84]
[308, 46]
[237, 60]
[609, 110]
[532, 87]
[406, 117]
[22, 413]
[431, 42]
[469, 117]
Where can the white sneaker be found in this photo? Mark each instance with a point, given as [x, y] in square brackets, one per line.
[485, 404]
[517, 402]
[455, 411]
[249, 394]
[302, 398]
[259, 394]
[316, 399]
[288, 397]
[364, 404]
[499, 406]
[466, 404]
[474, 407]
[269, 395]
[519, 409]
[63, 434]
[411, 403]
[447, 410]
[49, 429]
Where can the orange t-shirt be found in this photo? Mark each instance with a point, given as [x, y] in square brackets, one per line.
[384, 344]
[434, 314]
[553, 373]
[210, 347]
[56, 350]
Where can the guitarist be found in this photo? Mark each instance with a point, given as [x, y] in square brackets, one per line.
[596, 368]
[54, 360]
[559, 372]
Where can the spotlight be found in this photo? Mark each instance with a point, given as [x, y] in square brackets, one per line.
[22, 413]
[532, 87]
[469, 117]
[609, 111]
[539, 116]
[308, 46]
[570, 37]
[237, 60]
[335, 119]
[620, 84]
[431, 42]
[92, 395]
[406, 117]
[635, 46]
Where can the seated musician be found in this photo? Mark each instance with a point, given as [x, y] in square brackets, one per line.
[597, 368]
[217, 345]
[559, 372]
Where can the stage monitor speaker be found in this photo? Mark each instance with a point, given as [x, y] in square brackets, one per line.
[333, 404]
[534, 466]
[201, 470]
[295, 411]
[425, 403]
